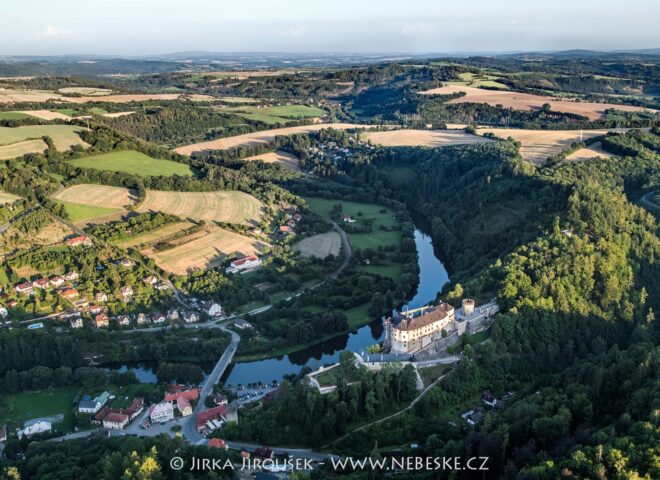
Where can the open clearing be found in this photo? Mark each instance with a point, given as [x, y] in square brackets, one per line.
[277, 114]
[19, 149]
[238, 99]
[63, 136]
[537, 145]
[285, 159]
[319, 246]
[96, 196]
[131, 161]
[260, 138]
[46, 115]
[17, 95]
[526, 101]
[7, 198]
[138, 97]
[13, 116]
[206, 251]
[19, 407]
[79, 213]
[415, 138]
[226, 206]
[595, 150]
[154, 236]
[117, 114]
[92, 91]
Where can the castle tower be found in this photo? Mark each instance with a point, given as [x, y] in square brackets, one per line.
[468, 307]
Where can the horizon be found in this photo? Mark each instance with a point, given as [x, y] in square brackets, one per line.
[61, 27]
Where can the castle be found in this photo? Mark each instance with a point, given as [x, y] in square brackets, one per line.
[414, 330]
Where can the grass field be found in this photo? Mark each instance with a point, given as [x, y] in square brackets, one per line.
[96, 196]
[278, 114]
[382, 216]
[13, 116]
[259, 138]
[7, 198]
[206, 251]
[10, 95]
[63, 136]
[47, 115]
[78, 212]
[28, 405]
[19, 149]
[527, 101]
[154, 236]
[86, 91]
[224, 206]
[285, 159]
[319, 246]
[478, 80]
[595, 150]
[137, 163]
[416, 138]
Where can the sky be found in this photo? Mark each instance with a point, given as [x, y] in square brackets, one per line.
[144, 27]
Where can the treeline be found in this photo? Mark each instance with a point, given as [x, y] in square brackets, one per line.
[135, 225]
[39, 378]
[184, 373]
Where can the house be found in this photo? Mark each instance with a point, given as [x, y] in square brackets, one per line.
[78, 241]
[3, 311]
[69, 293]
[291, 223]
[243, 264]
[150, 279]
[346, 218]
[12, 303]
[115, 421]
[472, 417]
[23, 288]
[124, 320]
[191, 395]
[184, 407]
[57, 281]
[142, 319]
[37, 427]
[135, 408]
[101, 297]
[190, 317]
[220, 399]
[213, 309]
[161, 412]
[76, 322]
[162, 286]
[211, 419]
[284, 230]
[80, 304]
[297, 217]
[126, 292]
[489, 399]
[218, 443]
[101, 321]
[157, 318]
[242, 324]
[71, 275]
[95, 309]
[88, 405]
[41, 283]
[126, 262]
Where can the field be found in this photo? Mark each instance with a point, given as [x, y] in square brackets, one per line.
[7, 198]
[238, 99]
[137, 163]
[478, 80]
[86, 91]
[138, 97]
[259, 138]
[526, 101]
[595, 150]
[24, 406]
[225, 206]
[114, 115]
[96, 196]
[14, 96]
[319, 246]
[79, 213]
[154, 236]
[382, 216]
[277, 114]
[537, 145]
[285, 159]
[205, 251]
[12, 116]
[63, 136]
[19, 149]
[47, 115]
[415, 138]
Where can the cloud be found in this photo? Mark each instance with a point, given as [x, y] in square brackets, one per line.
[53, 31]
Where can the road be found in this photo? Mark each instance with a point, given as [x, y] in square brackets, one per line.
[646, 201]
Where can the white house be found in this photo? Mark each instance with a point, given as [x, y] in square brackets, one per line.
[190, 317]
[243, 264]
[115, 421]
[92, 406]
[213, 309]
[161, 412]
[3, 311]
[76, 322]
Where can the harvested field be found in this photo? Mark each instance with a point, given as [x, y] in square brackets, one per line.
[416, 138]
[19, 149]
[7, 198]
[92, 91]
[285, 159]
[259, 138]
[526, 101]
[154, 236]
[117, 114]
[96, 196]
[238, 100]
[225, 206]
[319, 246]
[131, 161]
[537, 145]
[205, 251]
[595, 150]
[64, 136]
[18, 95]
[46, 115]
[139, 97]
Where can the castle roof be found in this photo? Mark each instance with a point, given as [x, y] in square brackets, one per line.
[438, 313]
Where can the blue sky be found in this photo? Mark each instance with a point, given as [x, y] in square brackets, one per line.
[160, 26]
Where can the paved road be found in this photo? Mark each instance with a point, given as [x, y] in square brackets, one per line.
[646, 201]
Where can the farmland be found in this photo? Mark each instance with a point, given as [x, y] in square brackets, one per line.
[63, 136]
[285, 159]
[24, 406]
[154, 236]
[537, 145]
[13, 116]
[96, 196]
[320, 245]
[47, 115]
[16, 95]
[415, 138]
[259, 138]
[526, 101]
[92, 91]
[277, 114]
[7, 198]
[594, 150]
[137, 163]
[19, 149]
[206, 250]
[78, 212]
[225, 206]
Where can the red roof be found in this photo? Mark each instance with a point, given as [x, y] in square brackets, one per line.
[77, 240]
[211, 414]
[182, 402]
[217, 443]
[192, 394]
[285, 228]
[241, 261]
[115, 417]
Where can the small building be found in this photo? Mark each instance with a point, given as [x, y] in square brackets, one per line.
[12, 303]
[220, 399]
[126, 292]
[242, 324]
[157, 318]
[190, 317]
[76, 322]
[41, 283]
[101, 321]
[161, 412]
[57, 281]
[212, 418]
[34, 428]
[78, 241]
[142, 319]
[191, 395]
[126, 262]
[3, 433]
[489, 399]
[284, 230]
[95, 309]
[346, 218]
[213, 309]
[124, 320]
[115, 421]
[89, 405]
[71, 275]
[69, 293]
[184, 406]
[101, 297]
[218, 443]
[23, 288]
[150, 279]
[172, 314]
[244, 264]
[161, 286]
[3, 311]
